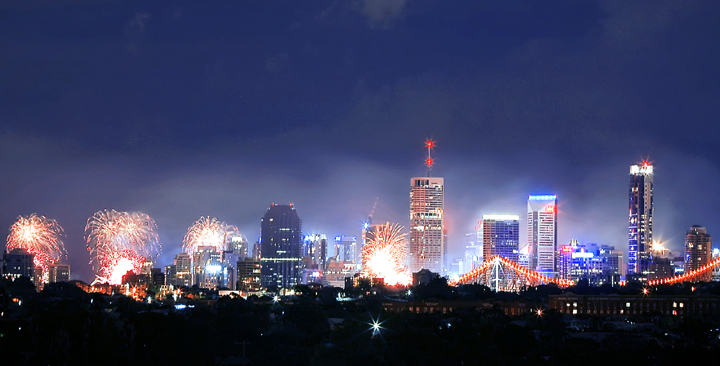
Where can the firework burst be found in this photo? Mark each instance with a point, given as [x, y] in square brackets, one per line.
[384, 255]
[40, 237]
[208, 232]
[120, 242]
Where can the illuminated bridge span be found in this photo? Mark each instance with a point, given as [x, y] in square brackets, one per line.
[701, 274]
[501, 274]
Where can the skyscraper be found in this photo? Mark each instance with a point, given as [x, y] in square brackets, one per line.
[18, 262]
[640, 220]
[183, 270]
[280, 231]
[542, 233]
[501, 236]
[427, 223]
[346, 248]
[316, 249]
[698, 250]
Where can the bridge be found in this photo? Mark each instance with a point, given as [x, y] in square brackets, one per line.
[704, 273]
[501, 274]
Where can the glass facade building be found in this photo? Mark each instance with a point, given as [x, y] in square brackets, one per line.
[281, 246]
[640, 221]
[501, 236]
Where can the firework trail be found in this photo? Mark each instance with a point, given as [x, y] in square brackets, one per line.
[40, 237]
[120, 242]
[208, 232]
[384, 255]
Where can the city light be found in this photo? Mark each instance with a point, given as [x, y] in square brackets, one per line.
[542, 197]
[376, 326]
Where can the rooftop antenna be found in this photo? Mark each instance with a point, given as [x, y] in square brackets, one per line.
[429, 144]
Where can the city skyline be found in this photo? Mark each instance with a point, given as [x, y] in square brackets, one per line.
[188, 110]
[522, 219]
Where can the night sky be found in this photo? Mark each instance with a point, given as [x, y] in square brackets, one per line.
[183, 108]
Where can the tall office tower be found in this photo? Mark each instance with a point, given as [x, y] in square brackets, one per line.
[171, 275]
[18, 262]
[183, 270]
[58, 272]
[542, 233]
[698, 250]
[427, 223]
[280, 230]
[501, 236]
[208, 269]
[640, 221]
[346, 248]
[316, 249]
[248, 275]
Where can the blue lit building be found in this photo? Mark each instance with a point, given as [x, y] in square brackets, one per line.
[501, 236]
[640, 221]
[598, 265]
[281, 236]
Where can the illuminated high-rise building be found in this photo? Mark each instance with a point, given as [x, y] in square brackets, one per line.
[58, 272]
[542, 233]
[19, 263]
[698, 250]
[208, 269]
[427, 223]
[315, 247]
[640, 222]
[248, 275]
[183, 270]
[501, 236]
[346, 248]
[281, 236]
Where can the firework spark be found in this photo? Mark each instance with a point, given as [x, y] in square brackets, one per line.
[40, 237]
[208, 232]
[120, 242]
[384, 255]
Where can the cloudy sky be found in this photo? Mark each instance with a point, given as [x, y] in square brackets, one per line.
[185, 109]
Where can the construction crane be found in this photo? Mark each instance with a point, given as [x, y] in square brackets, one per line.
[372, 212]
